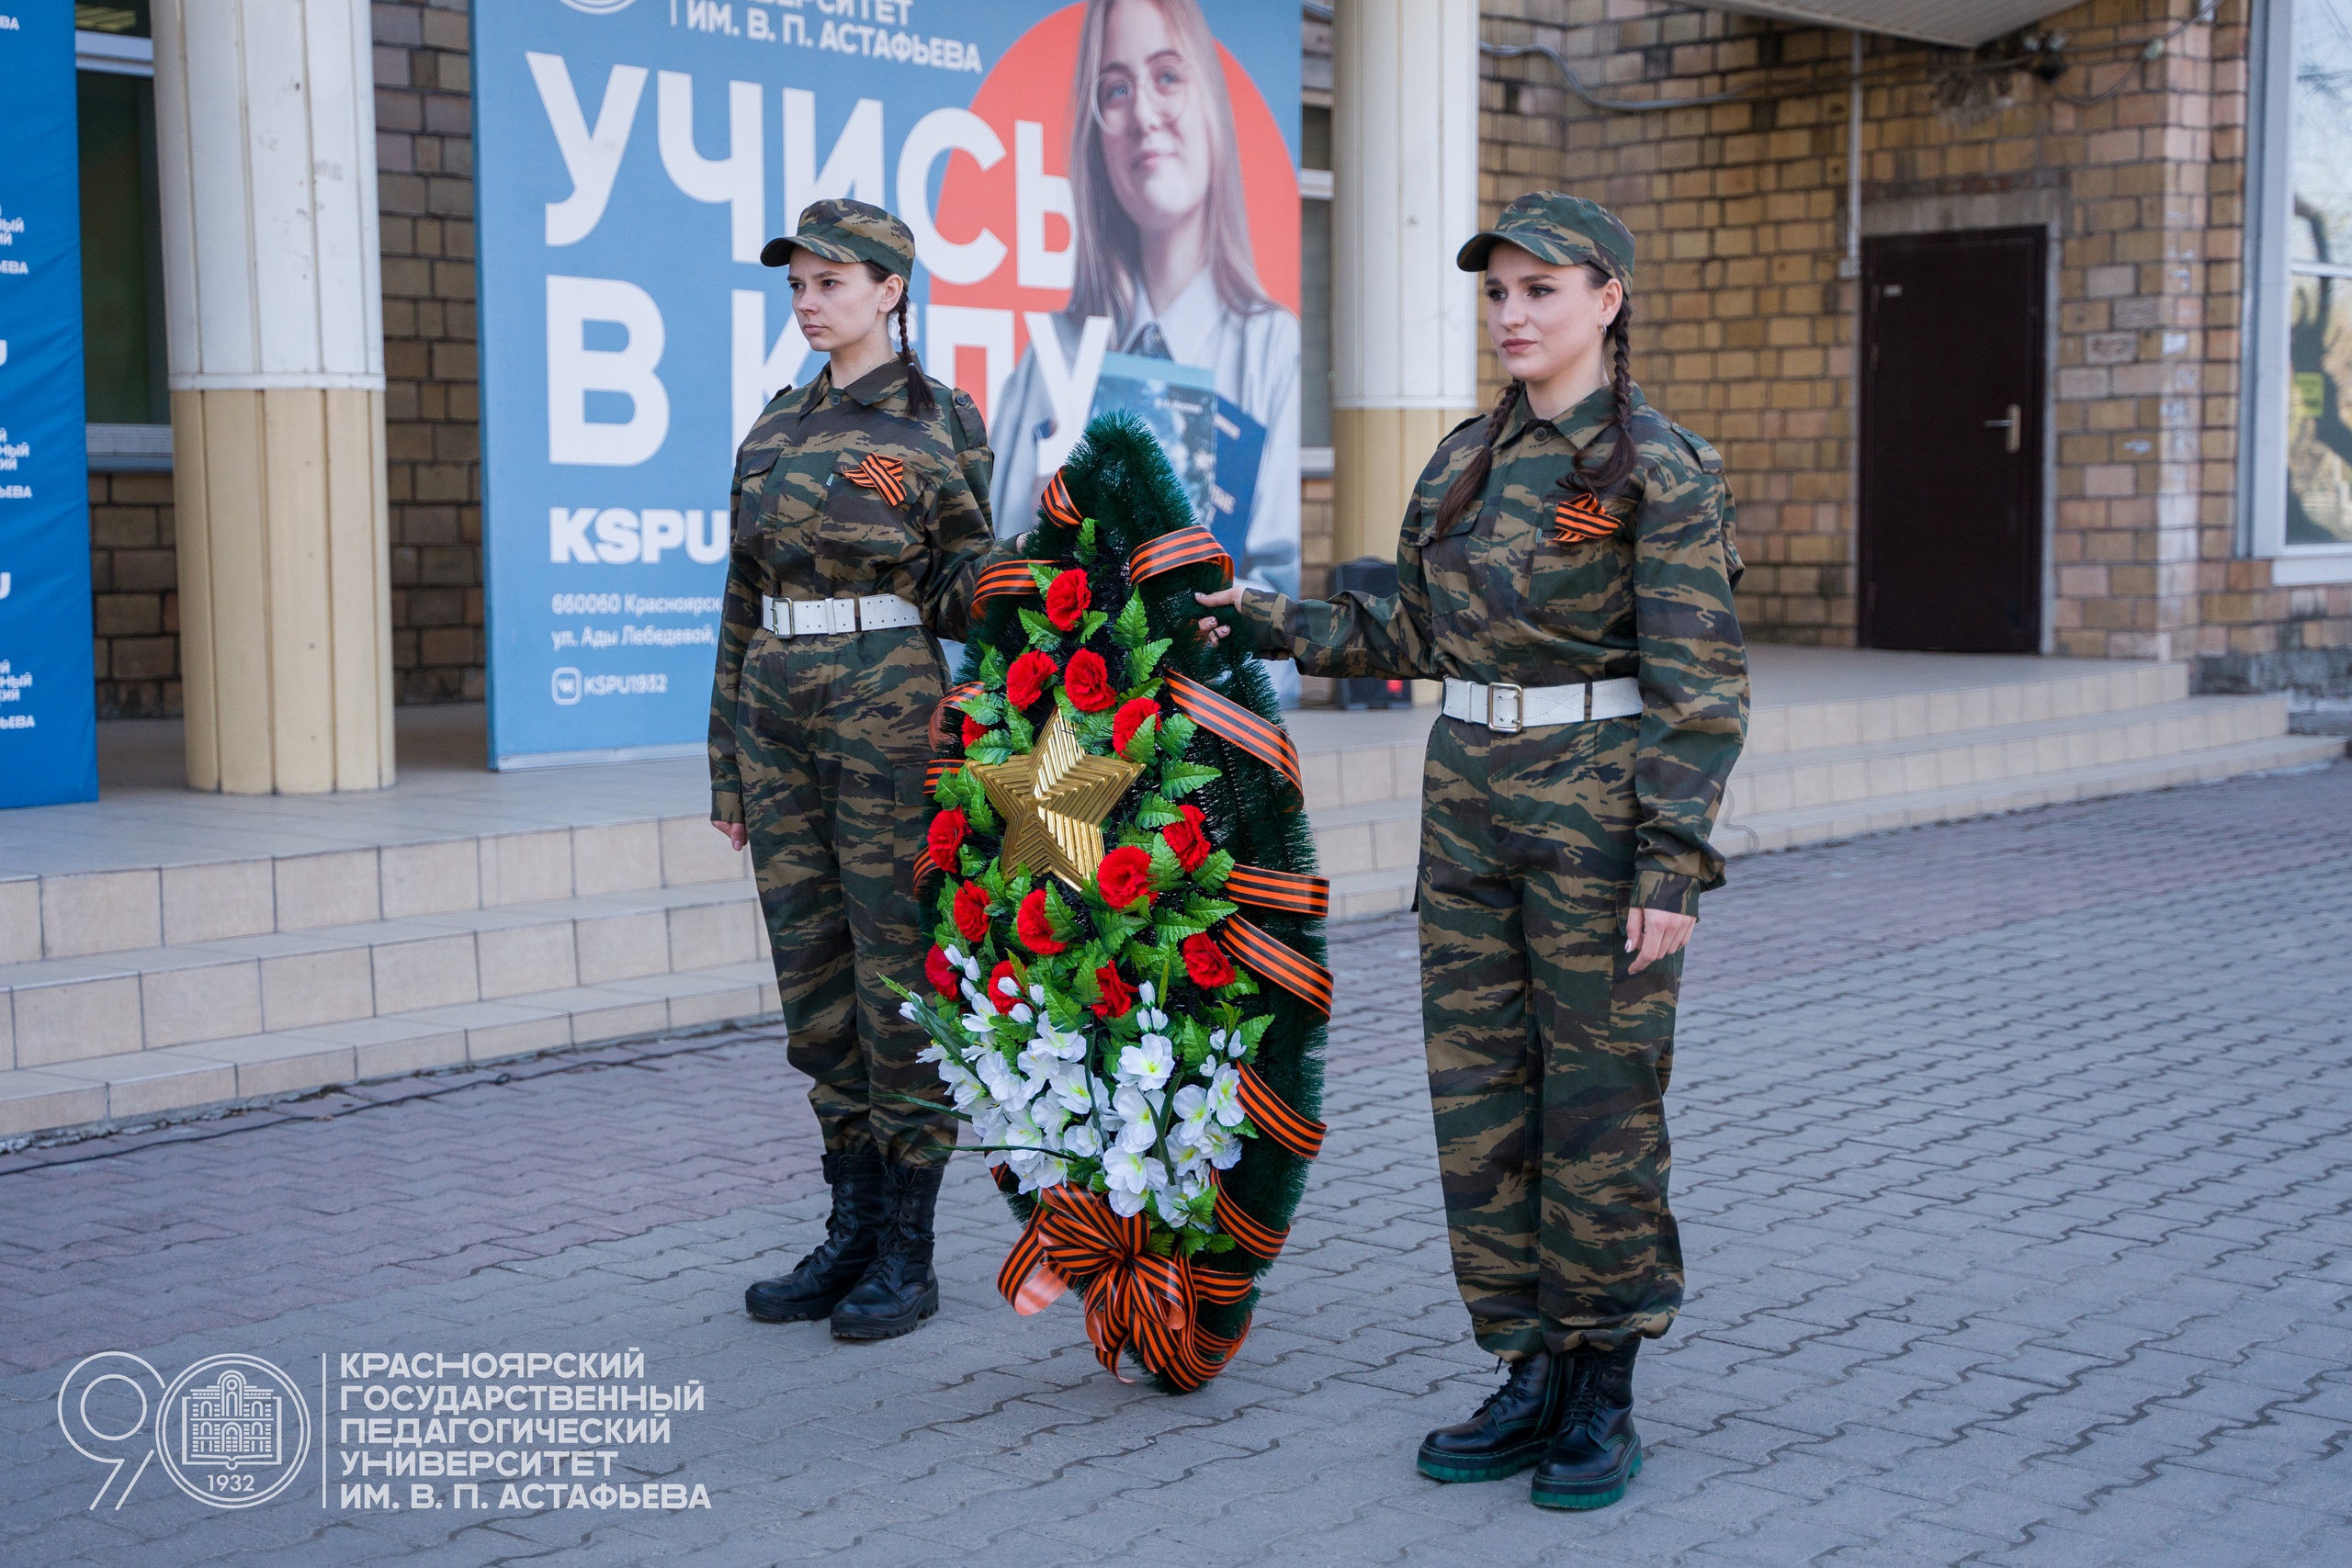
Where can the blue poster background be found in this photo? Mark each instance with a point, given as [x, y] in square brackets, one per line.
[47, 712]
[618, 276]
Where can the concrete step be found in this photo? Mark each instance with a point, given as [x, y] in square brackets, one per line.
[1980, 756]
[1376, 835]
[77, 914]
[127, 1086]
[64, 1010]
[1763, 831]
[1360, 894]
[1868, 719]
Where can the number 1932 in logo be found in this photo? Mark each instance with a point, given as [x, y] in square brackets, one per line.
[231, 1431]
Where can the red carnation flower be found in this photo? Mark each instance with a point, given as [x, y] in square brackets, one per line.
[1189, 837]
[1034, 925]
[940, 970]
[946, 837]
[1088, 681]
[1068, 598]
[973, 730]
[1027, 680]
[1125, 875]
[1117, 995]
[972, 912]
[1133, 715]
[1206, 961]
[997, 977]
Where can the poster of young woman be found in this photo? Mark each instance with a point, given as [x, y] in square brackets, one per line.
[1105, 199]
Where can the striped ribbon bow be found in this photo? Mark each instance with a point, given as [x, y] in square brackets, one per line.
[1135, 1300]
[885, 476]
[1582, 516]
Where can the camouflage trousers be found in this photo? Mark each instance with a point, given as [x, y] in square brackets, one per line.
[1548, 1063]
[832, 739]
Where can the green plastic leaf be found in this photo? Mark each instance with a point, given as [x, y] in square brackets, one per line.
[1144, 659]
[1133, 628]
[993, 666]
[1167, 871]
[1094, 621]
[1180, 779]
[1213, 872]
[1044, 635]
[1042, 574]
[1140, 743]
[987, 708]
[1022, 733]
[1085, 547]
[1176, 732]
[1209, 909]
[1152, 811]
[992, 751]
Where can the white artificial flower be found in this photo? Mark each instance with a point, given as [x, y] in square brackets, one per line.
[1143, 992]
[1078, 1090]
[1082, 1141]
[1051, 1047]
[1008, 1087]
[1139, 1124]
[1046, 1172]
[1151, 1021]
[908, 1011]
[1022, 1014]
[1008, 986]
[1148, 1062]
[1128, 1173]
[1224, 1097]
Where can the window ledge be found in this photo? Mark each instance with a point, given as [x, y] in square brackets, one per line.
[129, 448]
[2303, 570]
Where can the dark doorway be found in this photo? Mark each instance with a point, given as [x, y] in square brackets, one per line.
[1950, 472]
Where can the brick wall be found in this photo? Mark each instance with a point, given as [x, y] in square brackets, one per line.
[135, 604]
[1746, 330]
[433, 404]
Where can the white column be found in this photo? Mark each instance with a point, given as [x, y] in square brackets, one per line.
[1405, 195]
[265, 136]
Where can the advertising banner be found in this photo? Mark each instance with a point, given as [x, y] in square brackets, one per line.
[48, 713]
[1104, 200]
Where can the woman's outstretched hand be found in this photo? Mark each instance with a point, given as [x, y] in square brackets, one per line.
[1653, 934]
[1224, 598]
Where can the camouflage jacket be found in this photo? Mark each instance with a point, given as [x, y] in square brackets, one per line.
[804, 529]
[1500, 598]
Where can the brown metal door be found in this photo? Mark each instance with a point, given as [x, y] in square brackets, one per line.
[1950, 472]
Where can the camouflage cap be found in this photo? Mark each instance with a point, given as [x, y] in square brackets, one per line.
[1565, 230]
[841, 229]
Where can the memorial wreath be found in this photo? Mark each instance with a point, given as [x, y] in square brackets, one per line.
[1138, 1056]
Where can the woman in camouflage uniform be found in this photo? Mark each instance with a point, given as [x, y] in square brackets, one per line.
[1566, 568]
[861, 525]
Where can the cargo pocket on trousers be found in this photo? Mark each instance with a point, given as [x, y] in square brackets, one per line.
[912, 819]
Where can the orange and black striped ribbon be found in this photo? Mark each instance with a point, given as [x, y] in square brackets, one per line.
[1258, 1240]
[1224, 717]
[1279, 961]
[1058, 503]
[886, 475]
[1006, 577]
[1302, 1135]
[1292, 891]
[924, 866]
[936, 772]
[1582, 516]
[1183, 546]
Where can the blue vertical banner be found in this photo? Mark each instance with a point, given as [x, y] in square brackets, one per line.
[48, 705]
[632, 157]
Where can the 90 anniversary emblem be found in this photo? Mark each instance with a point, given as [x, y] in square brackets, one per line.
[231, 1431]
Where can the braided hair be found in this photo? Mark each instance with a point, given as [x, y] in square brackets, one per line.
[1617, 340]
[920, 402]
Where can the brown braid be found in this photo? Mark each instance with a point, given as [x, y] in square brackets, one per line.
[1621, 452]
[920, 402]
[1469, 486]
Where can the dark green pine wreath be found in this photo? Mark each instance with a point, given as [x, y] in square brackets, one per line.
[1119, 480]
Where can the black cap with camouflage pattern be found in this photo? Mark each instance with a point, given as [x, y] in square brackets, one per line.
[843, 231]
[1566, 230]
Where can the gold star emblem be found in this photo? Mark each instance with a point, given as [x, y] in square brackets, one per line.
[1052, 802]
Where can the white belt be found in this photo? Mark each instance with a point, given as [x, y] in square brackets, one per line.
[1507, 709]
[821, 617]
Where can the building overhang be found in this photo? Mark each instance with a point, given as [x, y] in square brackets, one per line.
[1958, 23]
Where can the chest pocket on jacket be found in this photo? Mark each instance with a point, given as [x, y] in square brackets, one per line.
[874, 503]
[754, 477]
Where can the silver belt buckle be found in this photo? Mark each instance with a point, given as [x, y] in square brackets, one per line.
[1495, 720]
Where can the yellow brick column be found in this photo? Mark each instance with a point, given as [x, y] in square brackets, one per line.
[265, 145]
[1405, 195]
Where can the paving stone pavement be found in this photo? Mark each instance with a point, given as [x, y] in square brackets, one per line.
[2015, 1179]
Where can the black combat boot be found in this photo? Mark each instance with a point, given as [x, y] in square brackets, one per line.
[899, 1290]
[1509, 1431]
[1596, 1450]
[853, 1236]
